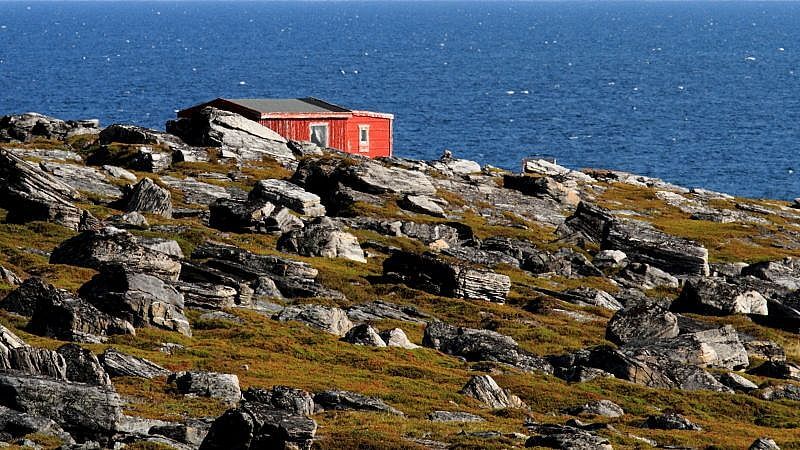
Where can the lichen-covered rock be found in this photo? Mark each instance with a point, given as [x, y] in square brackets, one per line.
[238, 215]
[764, 443]
[82, 179]
[290, 195]
[482, 345]
[566, 438]
[28, 126]
[25, 298]
[379, 310]
[785, 273]
[641, 323]
[454, 416]
[254, 426]
[396, 337]
[345, 400]
[222, 386]
[715, 296]
[118, 364]
[365, 335]
[777, 369]
[109, 245]
[132, 219]
[28, 193]
[432, 274]
[147, 196]
[605, 408]
[645, 277]
[196, 192]
[331, 319]
[82, 366]
[322, 237]
[484, 389]
[142, 299]
[284, 398]
[715, 348]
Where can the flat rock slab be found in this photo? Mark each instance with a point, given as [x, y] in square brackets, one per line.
[81, 178]
[290, 195]
[196, 192]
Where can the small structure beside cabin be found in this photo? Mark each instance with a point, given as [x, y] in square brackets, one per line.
[310, 119]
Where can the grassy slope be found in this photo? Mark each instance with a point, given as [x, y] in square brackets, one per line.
[265, 353]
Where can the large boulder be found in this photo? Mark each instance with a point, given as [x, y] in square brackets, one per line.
[365, 335]
[484, 389]
[29, 126]
[322, 237]
[764, 443]
[604, 408]
[437, 276]
[139, 298]
[345, 400]
[82, 179]
[118, 364]
[327, 318]
[566, 438]
[640, 241]
[136, 135]
[670, 421]
[95, 249]
[28, 193]
[147, 196]
[17, 425]
[641, 323]
[85, 411]
[482, 345]
[713, 348]
[785, 273]
[228, 214]
[290, 195]
[232, 133]
[221, 386]
[24, 299]
[254, 425]
[83, 366]
[716, 296]
[396, 337]
[284, 398]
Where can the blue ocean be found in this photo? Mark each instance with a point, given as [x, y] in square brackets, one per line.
[698, 93]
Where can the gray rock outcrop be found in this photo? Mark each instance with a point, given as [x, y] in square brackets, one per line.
[331, 319]
[641, 323]
[147, 196]
[365, 335]
[345, 400]
[484, 389]
[322, 237]
[118, 364]
[221, 386]
[290, 195]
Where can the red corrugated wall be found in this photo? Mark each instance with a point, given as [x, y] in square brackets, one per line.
[380, 135]
[298, 129]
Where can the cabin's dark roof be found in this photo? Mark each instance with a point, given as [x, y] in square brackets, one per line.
[287, 105]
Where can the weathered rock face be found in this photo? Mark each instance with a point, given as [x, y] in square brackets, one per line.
[29, 193]
[484, 389]
[28, 126]
[284, 398]
[331, 319]
[785, 391]
[237, 215]
[585, 296]
[716, 348]
[396, 337]
[118, 364]
[254, 426]
[345, 400]
[80, 178]
[422, 204]
[785, 273]
[141, 299]
[777, 369]
[715, 296]
[605, 408]
[322, 237]
[566, 438]
[364, 334]
[196, 192]
[221, 386]
[33, 361]
[95, 249]
[147, 196]
[8, 277]
[645, 276]
[290, 195]
[439, 277]
[86, 412]
[82, 366]
[670, 421]
[378, 310]
[543, 187]
[26, 297]
[128, 220]
[482, 345]
[737, 382]
[16, 425]
[453, 416]
[764, 443]
[132, 134]
[640, 324]
[640, 242]
[231, 132]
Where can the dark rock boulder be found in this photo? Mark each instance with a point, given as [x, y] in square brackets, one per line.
[327, 318]
[566, 438]
[147, 196]
[716, 296]
[670, 421]
[254, 426]
[60, 315]
[345, 400]
[777, 369]
[82, 366]
[132, 134]
[233, 134]
[785, 273]
[221, 386]
[780, 392]
[16, 425]
[484, 389]
[434, 275]
[482, 345]
[118, 364]
[143, 300]
[641, 323]
[95, 249]
[714, 348]
[645, 276]
[84, 411]
[737, 382]
[24, 299]
[28, 193]
[322, 237]
[228, 214]
[542, 187]
[365, 335]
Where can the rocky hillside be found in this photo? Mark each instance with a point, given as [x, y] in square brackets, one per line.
[221, 288]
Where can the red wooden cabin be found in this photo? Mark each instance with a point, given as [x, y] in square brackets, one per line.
[310, 119]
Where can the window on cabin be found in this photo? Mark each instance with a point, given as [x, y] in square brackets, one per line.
[363, 138]
[318, 134]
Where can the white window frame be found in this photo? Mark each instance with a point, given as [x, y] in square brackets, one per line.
[363, 146]
[327, 131]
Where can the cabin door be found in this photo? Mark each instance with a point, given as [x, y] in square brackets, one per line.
[318, 134]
